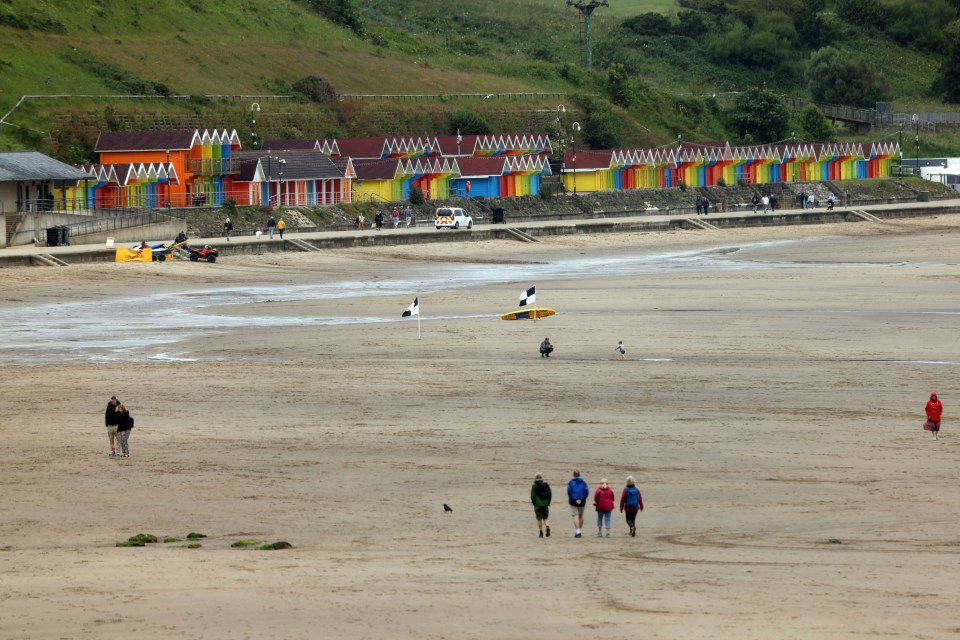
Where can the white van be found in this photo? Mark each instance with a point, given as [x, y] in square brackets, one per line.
[452, 218]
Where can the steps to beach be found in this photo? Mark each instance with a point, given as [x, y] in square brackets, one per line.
[701, 224]
[48, 260]
[869, 217]
[300, 244]
[522, 236]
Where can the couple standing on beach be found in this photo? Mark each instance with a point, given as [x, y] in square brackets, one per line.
[119, 423]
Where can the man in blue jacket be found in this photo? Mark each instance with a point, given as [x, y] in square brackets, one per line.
[577, 493]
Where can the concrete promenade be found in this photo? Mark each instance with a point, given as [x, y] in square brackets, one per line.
[28, 255]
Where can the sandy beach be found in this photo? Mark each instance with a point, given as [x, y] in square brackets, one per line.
[770, 408]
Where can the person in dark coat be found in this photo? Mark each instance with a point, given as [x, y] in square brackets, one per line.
[124, 426]
[110, 420]
[540, 496]
[379, 220]
[228, 228]
[631, 502]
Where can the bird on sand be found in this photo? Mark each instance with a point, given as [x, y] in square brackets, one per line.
[446, 507]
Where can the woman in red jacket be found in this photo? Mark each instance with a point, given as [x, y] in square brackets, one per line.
[934, 411]
[604, 500]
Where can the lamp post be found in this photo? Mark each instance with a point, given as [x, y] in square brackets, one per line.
[573, 141]
[254, 110]
[281, 162]
[901, 148]
[916, 142]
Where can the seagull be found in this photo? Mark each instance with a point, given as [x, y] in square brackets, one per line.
[446, 507]
[488, 96]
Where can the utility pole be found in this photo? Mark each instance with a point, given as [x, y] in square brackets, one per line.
[586, 9]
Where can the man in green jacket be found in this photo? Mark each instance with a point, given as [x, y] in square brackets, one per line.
[540, 496]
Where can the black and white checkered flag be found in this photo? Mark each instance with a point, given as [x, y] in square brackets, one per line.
[413, 309]
[528, 297]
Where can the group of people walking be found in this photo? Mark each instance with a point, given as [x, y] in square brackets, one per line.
[360, 221]
[578, 493]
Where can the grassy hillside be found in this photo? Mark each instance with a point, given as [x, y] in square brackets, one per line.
[262, 47]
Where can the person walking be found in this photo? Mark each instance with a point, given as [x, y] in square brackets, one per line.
[605, 501]
[546, 348]
[379, 220]
[124, 426]
[803, 200]
[622, 350]
[408, 215]
[540, 496]
[361, 222]
[396, 217]
[699, 203]
[765, 201]
[706, 206]
[271, 226]
[281, 225]
[774, 203]
[934, 411]
[110, 420]
[630, 503]
[228, 228]
[755, 201]
[577, 492]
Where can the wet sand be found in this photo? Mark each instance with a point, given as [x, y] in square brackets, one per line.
[770, 408]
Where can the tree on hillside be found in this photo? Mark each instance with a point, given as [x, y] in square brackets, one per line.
[833, 76]
[815, 127]
[759, 115]
[342, 12]
[869, 13]
[618, 84]
[945, 84]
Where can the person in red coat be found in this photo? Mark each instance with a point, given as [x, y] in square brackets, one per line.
[604, 500]
[934, 411]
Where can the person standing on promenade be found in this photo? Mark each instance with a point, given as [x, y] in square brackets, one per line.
[396, 217]
[124, 426]
[577, 492]
[622, 349]
[378, 219]
[110, 420]
[408, 215]
[934, 411]
[271, 226]
[281, 225]
[540, 496]
[228, 228]
[604, 500]
[630, 503]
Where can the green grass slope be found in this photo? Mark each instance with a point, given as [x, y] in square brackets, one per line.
[262, 47]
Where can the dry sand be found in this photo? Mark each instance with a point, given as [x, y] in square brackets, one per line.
[764, 412]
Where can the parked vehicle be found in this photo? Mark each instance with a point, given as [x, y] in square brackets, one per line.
[206, 252]
[452, 218]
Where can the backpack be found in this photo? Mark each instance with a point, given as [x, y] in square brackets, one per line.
[131, 422]
[633, 498]
[543, 491]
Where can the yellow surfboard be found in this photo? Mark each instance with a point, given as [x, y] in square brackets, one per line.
[528, 314]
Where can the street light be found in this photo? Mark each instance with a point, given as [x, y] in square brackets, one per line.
[281, 162]
[573, 141]
[254, 109]
[901, 148]
[916, 122]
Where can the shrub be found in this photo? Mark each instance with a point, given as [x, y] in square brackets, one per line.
[469, 122]
[315, 89]
[545, 192]
[833, 76]
[416, 196]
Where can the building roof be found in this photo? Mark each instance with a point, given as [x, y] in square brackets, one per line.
[32, 165]
[290, 165]
[151, 140]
